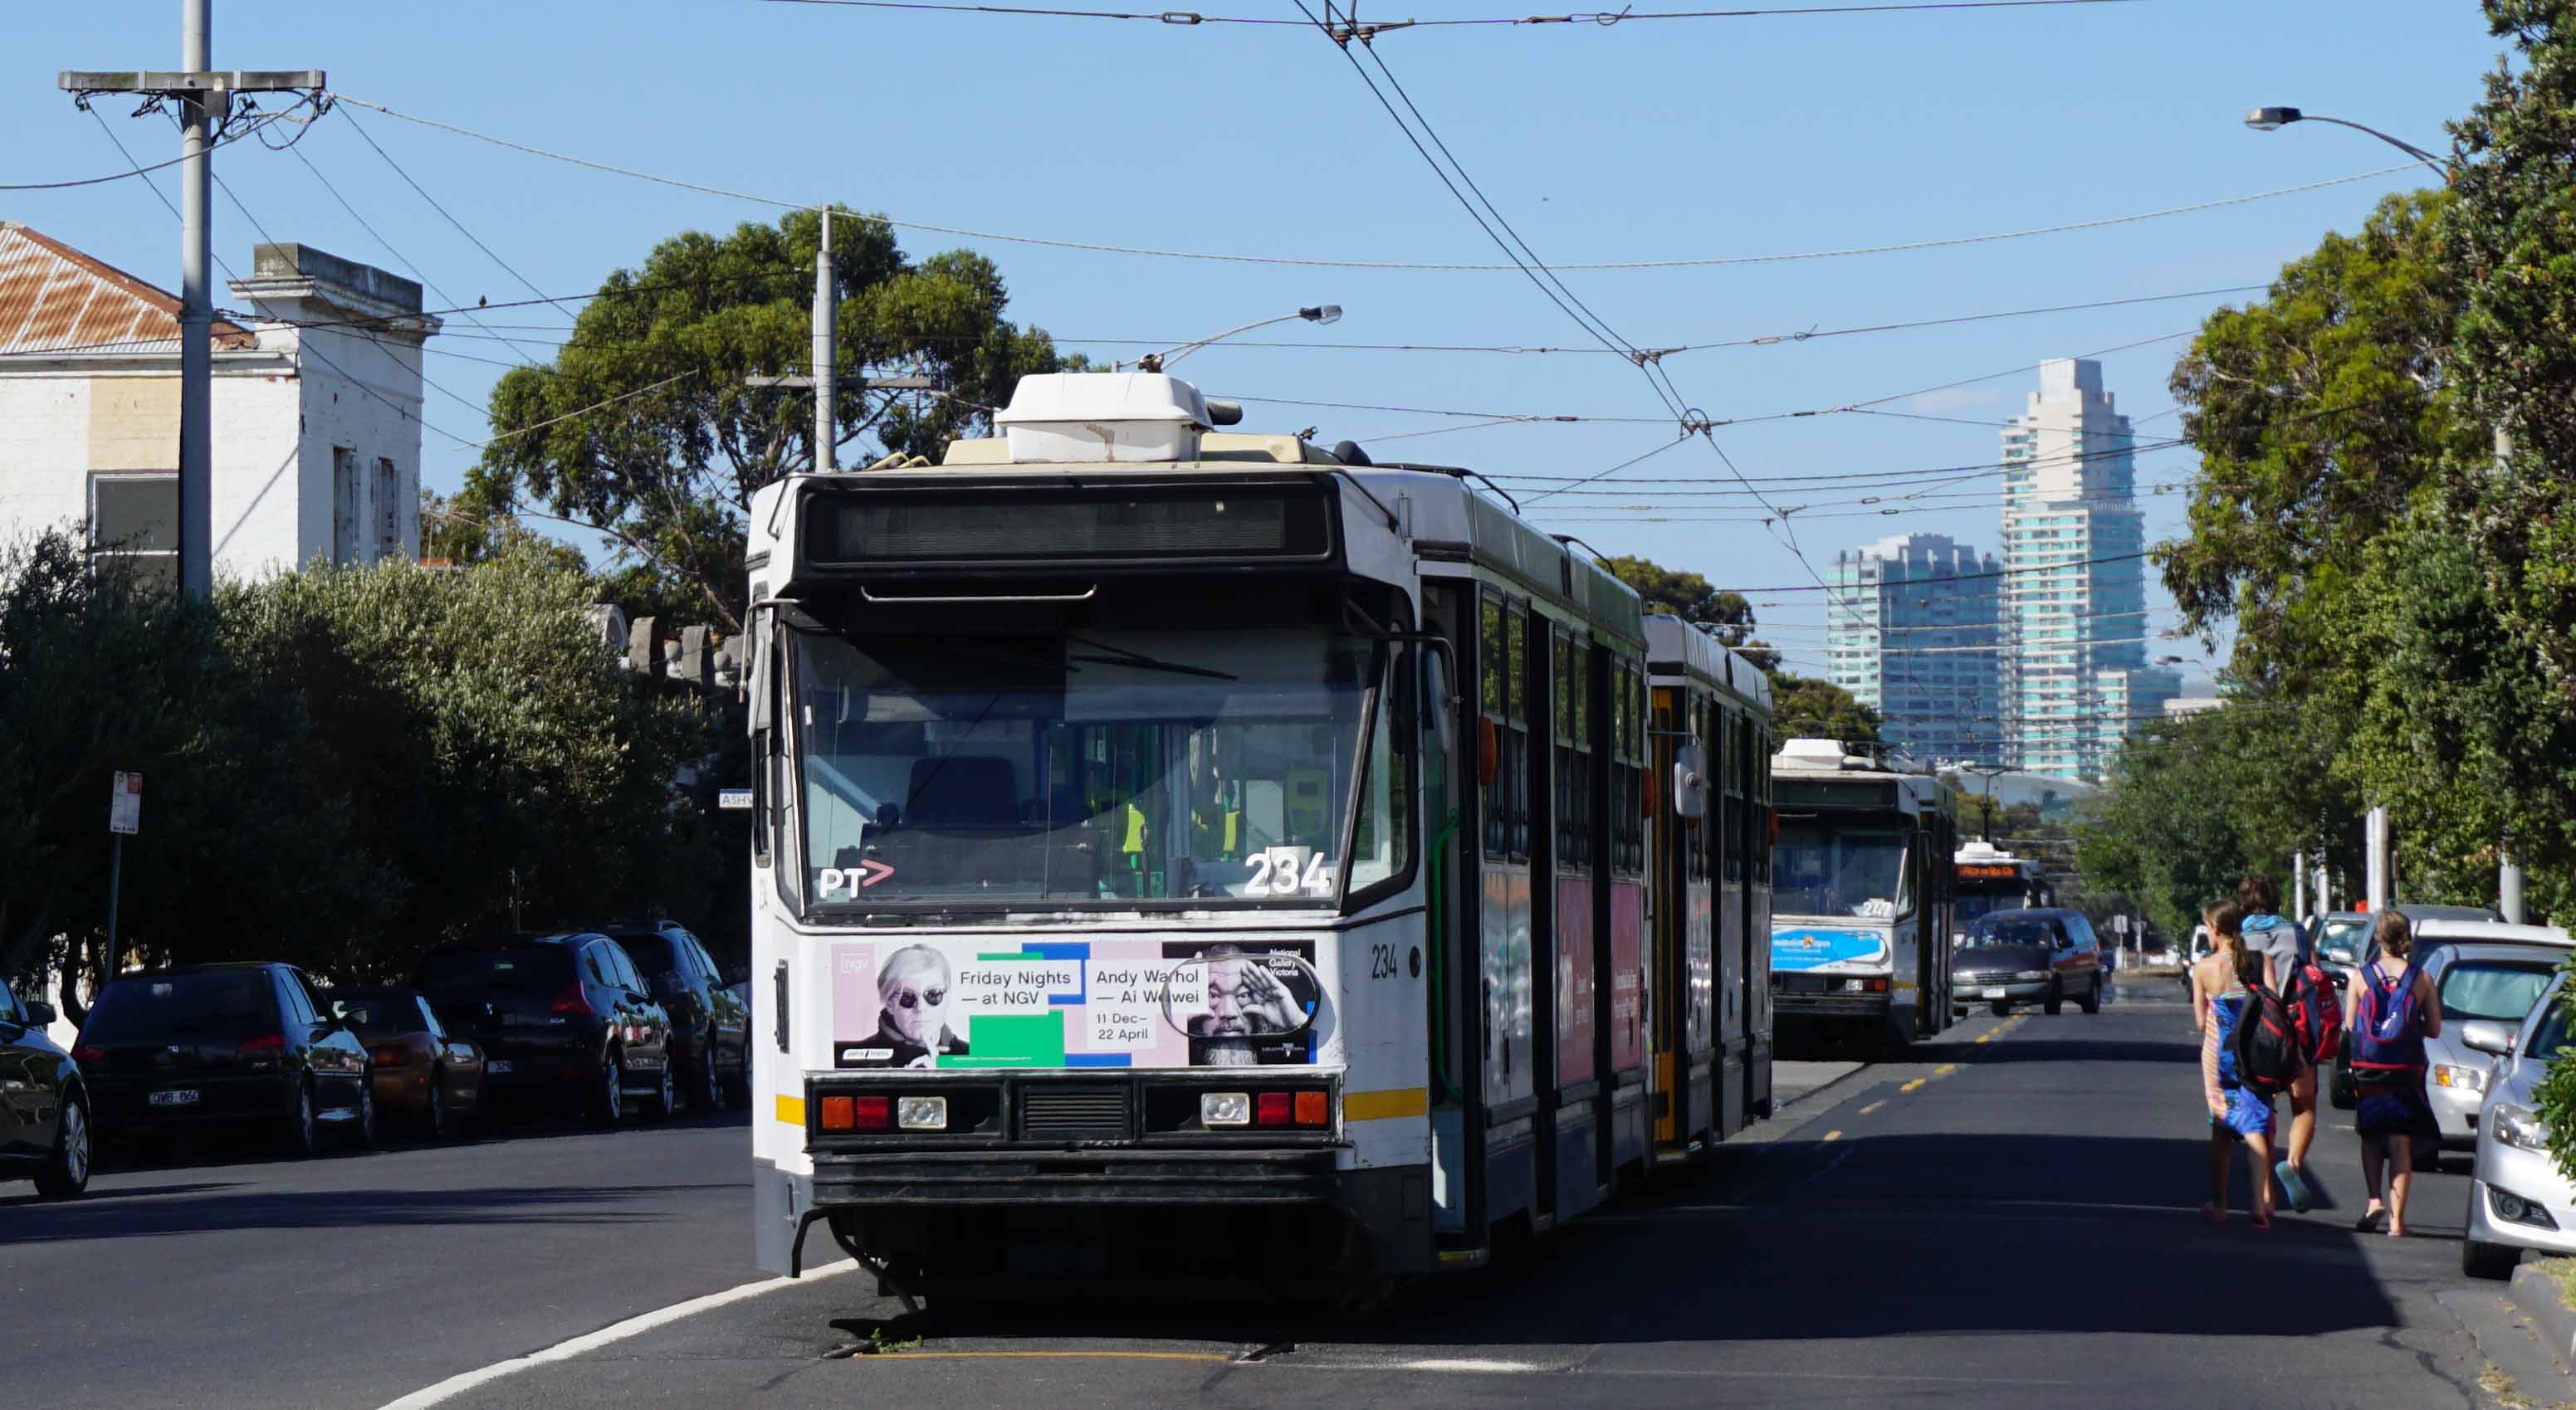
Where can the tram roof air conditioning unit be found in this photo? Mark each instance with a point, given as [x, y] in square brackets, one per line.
[1088, 418]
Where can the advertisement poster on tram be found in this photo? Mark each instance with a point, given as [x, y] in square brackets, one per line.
[991, 1001]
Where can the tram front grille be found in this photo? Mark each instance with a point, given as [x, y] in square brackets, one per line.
[1073, 1114]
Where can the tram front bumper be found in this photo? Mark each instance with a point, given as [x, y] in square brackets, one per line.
[1839, 1001]
[1080, 1176]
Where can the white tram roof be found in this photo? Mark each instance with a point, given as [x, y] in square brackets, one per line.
[1066, 424]
[1980, 850]
[1677, 648]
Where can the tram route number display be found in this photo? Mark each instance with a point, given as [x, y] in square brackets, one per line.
[997, 1001]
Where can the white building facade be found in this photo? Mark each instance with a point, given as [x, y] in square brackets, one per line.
[2074, 678]
[316, 429]
[1911, 630]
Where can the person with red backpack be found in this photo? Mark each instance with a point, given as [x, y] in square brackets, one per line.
[2309, 991]
[2392, 1015]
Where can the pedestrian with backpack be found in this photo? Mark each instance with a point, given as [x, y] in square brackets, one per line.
[2239, 1111]
[2392, 1015]
[2310, 993]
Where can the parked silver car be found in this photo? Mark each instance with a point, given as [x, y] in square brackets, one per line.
[2517, 1197]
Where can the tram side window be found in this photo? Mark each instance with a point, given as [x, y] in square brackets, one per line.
[1382, 842]
[1490, 657]
[1627, 821]
[1693, 725]
[1758, 742]
[1573, 753]
[1516, 752]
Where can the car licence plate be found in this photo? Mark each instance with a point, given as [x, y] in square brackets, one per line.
[180, 1096]
[1993, 991]
[499, 1068]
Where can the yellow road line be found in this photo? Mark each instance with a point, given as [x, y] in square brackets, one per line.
[1910, 1086]
[1985, 1037]
[1945, 1069]
[1833, 1135]
[1873, 1106]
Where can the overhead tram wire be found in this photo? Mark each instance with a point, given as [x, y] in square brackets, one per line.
[434, 204]
[1601, 19]
[407, 261]
[1096, 247]
[258, 124]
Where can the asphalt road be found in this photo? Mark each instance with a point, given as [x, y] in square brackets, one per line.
[1999, 1223]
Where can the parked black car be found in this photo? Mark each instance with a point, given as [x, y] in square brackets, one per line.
[219, 1046]
[710, 1023]
[559, 1017]
[44, 1114]
[2043, 955]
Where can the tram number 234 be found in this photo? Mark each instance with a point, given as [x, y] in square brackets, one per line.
[1288, 871]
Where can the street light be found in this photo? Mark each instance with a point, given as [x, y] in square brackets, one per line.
[2274, 119]
[1157, 362]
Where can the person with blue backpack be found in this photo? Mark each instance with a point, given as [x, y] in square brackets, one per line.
[2392, 1015]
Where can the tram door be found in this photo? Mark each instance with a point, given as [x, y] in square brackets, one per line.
[1725, 829]
[1455, 795]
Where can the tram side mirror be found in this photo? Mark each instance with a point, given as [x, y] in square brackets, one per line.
[1438, 705]
[1690, 784]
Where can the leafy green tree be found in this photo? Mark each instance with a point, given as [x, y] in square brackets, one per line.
[646, 427]
[2510, 241]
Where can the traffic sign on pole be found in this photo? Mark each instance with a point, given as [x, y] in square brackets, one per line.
[125, 803]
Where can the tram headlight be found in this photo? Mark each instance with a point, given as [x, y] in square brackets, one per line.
[922, 1113]
[1225, 1108]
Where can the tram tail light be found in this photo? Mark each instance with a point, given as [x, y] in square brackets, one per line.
[1272, 1109]
[872, 1113]
[837, 1114]
[1313, 1109]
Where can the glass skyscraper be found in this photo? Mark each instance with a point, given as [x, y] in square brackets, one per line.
[2074, 675]
[1911, 630]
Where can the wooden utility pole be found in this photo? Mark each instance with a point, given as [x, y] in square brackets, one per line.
[205, 100]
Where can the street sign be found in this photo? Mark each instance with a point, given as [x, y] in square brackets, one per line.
[125, 803]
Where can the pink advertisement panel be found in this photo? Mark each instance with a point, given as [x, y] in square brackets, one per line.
[1576, 984]
[995, 1001]
[1627, 975]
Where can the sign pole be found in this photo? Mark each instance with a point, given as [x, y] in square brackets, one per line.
[115, 870]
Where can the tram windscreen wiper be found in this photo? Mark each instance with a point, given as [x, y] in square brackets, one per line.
[1121, 656]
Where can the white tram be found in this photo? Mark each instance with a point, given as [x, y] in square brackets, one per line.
[1862, 882]
[1180, 852]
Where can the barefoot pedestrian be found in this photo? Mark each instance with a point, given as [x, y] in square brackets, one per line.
[2236, 1113]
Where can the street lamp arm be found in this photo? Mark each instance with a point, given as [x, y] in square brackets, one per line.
[2440, 167]
[1185, 349]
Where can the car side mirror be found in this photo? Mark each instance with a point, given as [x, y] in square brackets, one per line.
[2486, 1035]
[39, 1013]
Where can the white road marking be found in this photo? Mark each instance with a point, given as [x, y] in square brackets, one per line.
[1477, 1365]
[609, 1335]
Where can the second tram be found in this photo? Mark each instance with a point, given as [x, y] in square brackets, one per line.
[1861, 892]
[1989, 879]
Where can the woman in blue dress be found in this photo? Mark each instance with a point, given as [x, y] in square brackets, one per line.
[2236, 1113]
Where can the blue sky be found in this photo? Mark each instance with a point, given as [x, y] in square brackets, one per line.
[1644, 141]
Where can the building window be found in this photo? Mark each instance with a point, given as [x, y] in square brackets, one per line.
[388, 507]
[344, 506]
[134, 523]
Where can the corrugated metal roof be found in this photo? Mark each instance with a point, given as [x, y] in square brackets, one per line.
[53, 298]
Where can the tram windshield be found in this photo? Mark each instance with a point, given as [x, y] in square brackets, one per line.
[1820, 868]
[1974, 904]
[1099, 765]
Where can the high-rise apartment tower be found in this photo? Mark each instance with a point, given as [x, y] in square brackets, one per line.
[1911, 630]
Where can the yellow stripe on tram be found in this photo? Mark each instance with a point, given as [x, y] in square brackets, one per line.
[1381, 1106]
[792, 1110]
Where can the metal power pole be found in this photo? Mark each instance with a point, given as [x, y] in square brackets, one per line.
[2375, 855]
[826, 357]
[205, 100]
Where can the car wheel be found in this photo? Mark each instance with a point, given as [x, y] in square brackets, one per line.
[666, 1094]
[2491, 1261]
[709, 1095]
[608, 1102]
[436, 1120]
[65, 1173]
[2056, 1001]
[2093, 1000]
[301, 1135]
[362, 1128]
[737, 1083]
[2000, 1008]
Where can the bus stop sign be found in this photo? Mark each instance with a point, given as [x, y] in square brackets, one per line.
[125, 803]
